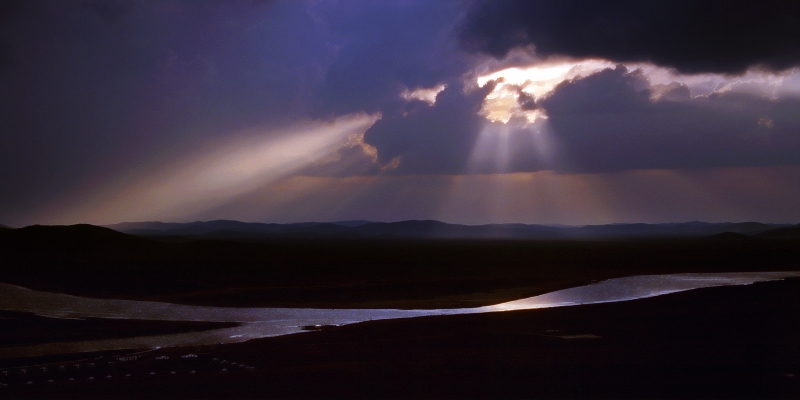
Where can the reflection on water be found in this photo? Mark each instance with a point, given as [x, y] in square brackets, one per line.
[265, 322]
[637, 287]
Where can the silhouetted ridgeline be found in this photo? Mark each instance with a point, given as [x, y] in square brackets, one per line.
[356, 272]
[791, 232]
[429, 229]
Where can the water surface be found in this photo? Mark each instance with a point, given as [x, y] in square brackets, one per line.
[266, 322]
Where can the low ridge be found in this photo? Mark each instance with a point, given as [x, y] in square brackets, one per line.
[81, 235]
[790, 232]
[432, 229]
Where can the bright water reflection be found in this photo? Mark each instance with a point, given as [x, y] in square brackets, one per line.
[265, 322]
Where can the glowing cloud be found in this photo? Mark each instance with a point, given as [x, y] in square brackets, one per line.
[518, 88]
[530, 83]
[422, 94]
[754, 81]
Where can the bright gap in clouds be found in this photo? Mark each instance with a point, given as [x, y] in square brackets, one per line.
[532, 82]
[518, 88]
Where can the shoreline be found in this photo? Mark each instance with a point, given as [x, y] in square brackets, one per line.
[733, 342]
[92, 325]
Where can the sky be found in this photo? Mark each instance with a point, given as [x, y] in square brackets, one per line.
[465, 111]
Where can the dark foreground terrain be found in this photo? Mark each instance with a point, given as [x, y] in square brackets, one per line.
[22, 328]
[728, 342]
[356, 273]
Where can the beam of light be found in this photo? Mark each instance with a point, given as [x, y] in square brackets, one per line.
[325, 198]
[296, 198]
[491, 152]
[713, 195]
[651, 196]
[527, 197]
[204, 181]
[427, 95]
[497, 146]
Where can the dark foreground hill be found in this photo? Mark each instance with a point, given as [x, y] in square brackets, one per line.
[430, 229]
[356, 272]
[70, 236]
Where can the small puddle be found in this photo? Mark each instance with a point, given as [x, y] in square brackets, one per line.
[266, 322]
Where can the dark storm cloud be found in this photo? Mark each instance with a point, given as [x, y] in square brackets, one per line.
[608, 122]
[428, 139]
[692, 36]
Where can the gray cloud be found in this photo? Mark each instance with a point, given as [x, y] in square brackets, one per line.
[428, 139]
[608, 122]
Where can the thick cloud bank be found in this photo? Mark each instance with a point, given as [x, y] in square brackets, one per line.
[428, 139]
[609, 121]
[612, 120]
[692, 36]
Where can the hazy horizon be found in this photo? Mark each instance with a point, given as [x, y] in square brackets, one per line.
[411, 220]
[446, 222]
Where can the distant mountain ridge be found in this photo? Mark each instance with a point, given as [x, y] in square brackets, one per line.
[432, 229]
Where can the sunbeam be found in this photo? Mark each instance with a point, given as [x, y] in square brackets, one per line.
[204, 181]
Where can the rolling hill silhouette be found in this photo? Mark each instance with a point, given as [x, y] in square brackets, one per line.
[431, 229]
[356, 266]
[37, 240]
[790, 232]
[730, 236]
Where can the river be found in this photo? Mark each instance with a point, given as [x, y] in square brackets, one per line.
[266, 322]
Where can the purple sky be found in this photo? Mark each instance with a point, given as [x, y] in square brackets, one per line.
[547, 111]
